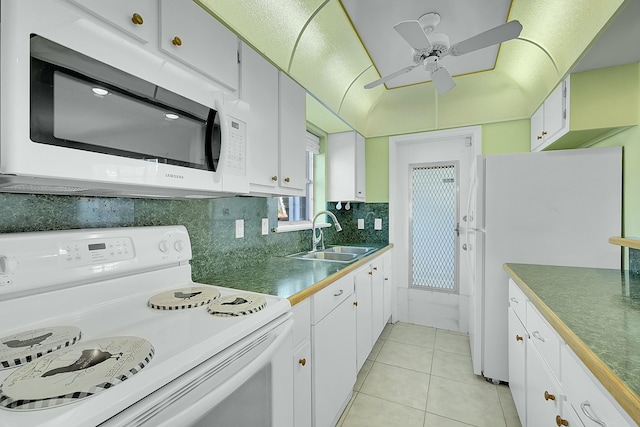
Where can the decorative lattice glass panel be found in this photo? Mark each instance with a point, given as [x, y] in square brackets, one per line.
[433, 226]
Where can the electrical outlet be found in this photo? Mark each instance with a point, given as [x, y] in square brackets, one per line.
[239, 228]
[360, 224]
[265, 226]
[377, 225]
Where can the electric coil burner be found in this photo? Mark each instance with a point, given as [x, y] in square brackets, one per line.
[105, 327]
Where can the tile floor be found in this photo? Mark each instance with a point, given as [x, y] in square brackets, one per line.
[420, 376]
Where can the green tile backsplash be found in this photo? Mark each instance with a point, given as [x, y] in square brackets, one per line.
[210, 222]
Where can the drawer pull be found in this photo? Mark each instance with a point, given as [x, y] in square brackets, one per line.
[375, 268]
[537, 336]
[137, 19]
[287, 179]
[302, 361]
[337, 294]
[548, 396]
[519, 338]
[177, 41]
[355, 303]
[561, 422]
[274, 178]
[514, 299]
[584, 405]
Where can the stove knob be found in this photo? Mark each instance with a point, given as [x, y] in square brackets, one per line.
[178, 245]
[163, 246]
[6, 265]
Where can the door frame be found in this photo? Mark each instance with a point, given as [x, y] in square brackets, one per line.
[397, 234]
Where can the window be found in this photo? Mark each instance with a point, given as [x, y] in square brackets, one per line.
[299, 210]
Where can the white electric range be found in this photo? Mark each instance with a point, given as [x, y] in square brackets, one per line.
[106, 327]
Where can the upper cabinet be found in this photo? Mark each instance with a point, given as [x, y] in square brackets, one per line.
[137, 19]
[597, 104]
[277, 137]
[191, 35]
[346, 169]
[551, 120]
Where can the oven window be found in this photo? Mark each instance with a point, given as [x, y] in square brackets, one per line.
[80, 103]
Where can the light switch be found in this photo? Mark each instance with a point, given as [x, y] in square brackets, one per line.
[377, 224]
[360, 224]
[265, 226]
[239, 228]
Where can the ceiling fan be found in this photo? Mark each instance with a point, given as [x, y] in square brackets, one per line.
[429, 47]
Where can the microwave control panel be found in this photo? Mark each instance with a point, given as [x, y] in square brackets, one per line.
[237, 147]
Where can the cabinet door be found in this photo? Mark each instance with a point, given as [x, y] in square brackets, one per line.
[361, 178]
[517, 353]
[387, 295]
[302, 385]
[191, 35]
[293, 165]
[377, 300]
[334, 367]
[364, 324]
[537, 124]
[136, 18]
[554, 117]
[259, 88]
[543, 392]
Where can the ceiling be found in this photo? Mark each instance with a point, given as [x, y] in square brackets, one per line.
[334, 47]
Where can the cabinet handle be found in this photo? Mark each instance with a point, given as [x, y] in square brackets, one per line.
[302, 361]
[544, 133]
[137, 19]
[539, 137]
[519, 338]
[287, 179]
[177, 41]
[386, 278]
[370, 274]
[537, 336]
[375, 268]
[337, 294]
[274, 178]
[584, 405]
[561, 422]
[514, 299]
[355, 303]
[548, 396]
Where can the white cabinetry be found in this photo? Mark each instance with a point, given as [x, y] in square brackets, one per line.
[387, 294]
[333, 334]
[277, 137]
[346, 170]
[556, 388]
[189, 34]
[551, 120]
[302, 363]
[364, 313]
[137, 19]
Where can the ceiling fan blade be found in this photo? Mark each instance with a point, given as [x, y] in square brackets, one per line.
[413, 34]
[496, 35]
[442, 80]
[391, 76]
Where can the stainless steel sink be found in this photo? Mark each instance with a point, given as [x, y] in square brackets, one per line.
[343, 254]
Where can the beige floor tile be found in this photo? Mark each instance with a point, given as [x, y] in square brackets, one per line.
[364, 371]
[476, 404]
[433, 420]
[386, 331]
[375, 350]
[508, 407]
[397, 385]
[452, 342]
[454, 366]
[370, 411]
[346, 410]
[409, 333]
[406, 356]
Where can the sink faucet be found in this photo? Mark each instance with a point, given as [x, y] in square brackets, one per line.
[320, 238]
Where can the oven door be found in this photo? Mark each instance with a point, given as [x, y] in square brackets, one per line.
[248, 384]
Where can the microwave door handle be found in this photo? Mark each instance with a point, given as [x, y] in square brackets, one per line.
[209, 140]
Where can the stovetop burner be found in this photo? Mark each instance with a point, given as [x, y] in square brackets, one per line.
[77, 372]
[23, 347]
[237, 305]
[183, 298]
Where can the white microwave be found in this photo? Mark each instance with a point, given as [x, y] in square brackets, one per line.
[87, 112]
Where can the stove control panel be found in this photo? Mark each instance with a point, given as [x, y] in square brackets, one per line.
[95, 251]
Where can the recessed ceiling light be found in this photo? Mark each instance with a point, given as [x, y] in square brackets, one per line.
[100, 91]
[171, 116]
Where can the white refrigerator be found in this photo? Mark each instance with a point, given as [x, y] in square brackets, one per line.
[554, 208]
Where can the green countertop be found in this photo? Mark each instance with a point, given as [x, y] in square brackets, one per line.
[290, 278]
[600, 312]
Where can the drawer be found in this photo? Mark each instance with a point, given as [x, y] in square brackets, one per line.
[544, 338]
[588, 398]
[517, 301]
[301, 322]
[330, 297]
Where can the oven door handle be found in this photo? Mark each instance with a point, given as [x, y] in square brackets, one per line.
[197, 409]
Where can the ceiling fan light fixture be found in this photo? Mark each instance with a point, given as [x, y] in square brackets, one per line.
[429, 21]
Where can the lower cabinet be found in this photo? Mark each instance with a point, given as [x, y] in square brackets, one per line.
[518, 338]
[543, 391]
[302, 363]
